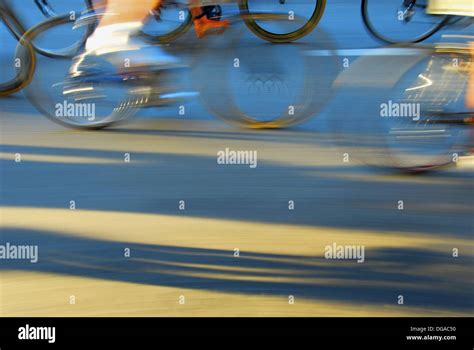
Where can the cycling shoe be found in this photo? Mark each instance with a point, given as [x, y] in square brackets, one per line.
[134, 57]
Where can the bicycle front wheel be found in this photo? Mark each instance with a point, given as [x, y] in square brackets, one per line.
[302, 16]
[69, 102]
[400, 21]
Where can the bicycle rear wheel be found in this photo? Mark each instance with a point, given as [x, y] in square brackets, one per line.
[302, 17]
[400, 21]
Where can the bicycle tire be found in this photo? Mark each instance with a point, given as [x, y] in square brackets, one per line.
[448, 83]
[385, 143]
[67, 52]
[36, 95]
[24, 76]
[171, 36]
[287, 37]
[386, 39]
[216, 93]
[73, 49]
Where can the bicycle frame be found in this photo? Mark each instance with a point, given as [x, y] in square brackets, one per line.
[12, 23]
[45, 8]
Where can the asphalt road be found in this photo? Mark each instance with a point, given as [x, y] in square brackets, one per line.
[173, 233]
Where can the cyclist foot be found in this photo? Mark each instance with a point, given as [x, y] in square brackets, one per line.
[122, 55]
[203, 25]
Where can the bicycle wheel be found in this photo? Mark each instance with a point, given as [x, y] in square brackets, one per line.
[302, 16]
[64, 44]
[76, 103]
[168, 23]
[25, 66]
[434, 92]
[263, 89]
[53, 8]
[400, 21]
[405, 119]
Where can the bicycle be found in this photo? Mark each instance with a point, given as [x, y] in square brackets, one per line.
[437, 85]
[49, 10]
[256, 21]
[412, 119]
[17, 29]
[175, 19]
[403, 21]
[117, 98]
[27, 61]
[266, 91]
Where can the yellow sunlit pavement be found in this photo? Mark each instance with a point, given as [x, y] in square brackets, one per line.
[46, 294]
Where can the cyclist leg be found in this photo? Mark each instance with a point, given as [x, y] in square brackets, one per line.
[113, 40]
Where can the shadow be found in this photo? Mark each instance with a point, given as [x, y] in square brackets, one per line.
[379, 280]
[347, 197]
[230, 133]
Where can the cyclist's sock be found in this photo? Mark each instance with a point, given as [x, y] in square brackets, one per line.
[203, 25]
[111, 37]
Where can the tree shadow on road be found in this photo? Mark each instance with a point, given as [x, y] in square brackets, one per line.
[385, 274]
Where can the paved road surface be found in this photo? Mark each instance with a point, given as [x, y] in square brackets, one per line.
[172, 233]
